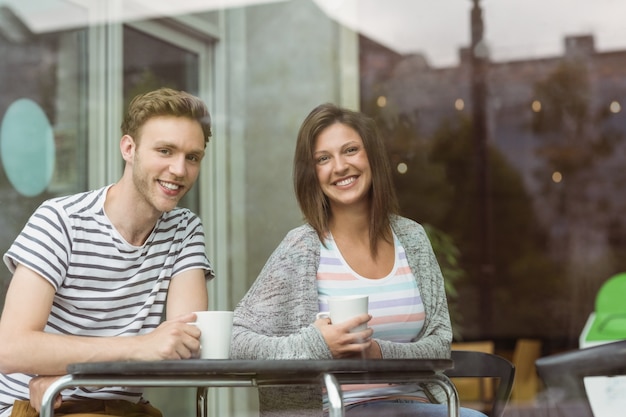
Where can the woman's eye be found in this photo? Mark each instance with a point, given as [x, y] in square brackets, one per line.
[322, 159]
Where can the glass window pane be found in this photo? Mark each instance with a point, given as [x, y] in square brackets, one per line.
[43, 84]
[150, 63]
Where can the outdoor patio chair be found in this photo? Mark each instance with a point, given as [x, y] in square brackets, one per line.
[486, 365]
[563, 375]
[609, 317]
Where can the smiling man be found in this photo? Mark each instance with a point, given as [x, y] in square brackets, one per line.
[94, 273]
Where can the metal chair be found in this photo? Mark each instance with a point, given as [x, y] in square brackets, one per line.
[563, 375]
[486, 365]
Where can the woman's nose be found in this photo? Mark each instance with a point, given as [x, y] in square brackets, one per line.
[340, 164]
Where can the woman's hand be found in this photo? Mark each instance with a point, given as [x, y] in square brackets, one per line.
[342, 343]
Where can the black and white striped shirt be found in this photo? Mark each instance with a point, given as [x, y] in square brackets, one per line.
[104, 286]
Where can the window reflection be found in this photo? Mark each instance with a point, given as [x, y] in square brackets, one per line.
[150, 63]
[45, 69]
[554, 145]
[539, 220]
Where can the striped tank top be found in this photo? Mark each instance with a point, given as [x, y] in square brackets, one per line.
[394, 303]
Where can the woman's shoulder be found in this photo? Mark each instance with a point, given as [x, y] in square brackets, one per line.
[405, 225]
[303, 237]
[411, 233]
[304, 231]
[300, 246]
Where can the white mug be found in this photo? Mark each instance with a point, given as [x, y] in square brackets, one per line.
[216, 328]
[342, 308]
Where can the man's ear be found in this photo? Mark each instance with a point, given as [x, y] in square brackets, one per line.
[127, 147]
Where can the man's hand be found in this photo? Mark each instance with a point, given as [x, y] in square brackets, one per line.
[341, 342]
[173, 339]
[37, 387]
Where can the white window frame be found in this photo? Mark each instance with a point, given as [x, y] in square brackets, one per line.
[106, 104]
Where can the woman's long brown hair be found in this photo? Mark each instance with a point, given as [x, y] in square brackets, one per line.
[312, 201]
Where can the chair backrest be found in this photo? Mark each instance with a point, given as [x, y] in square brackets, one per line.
[563, 374]
[485, 365]
[477, 393]
[609, 317]
[610, 297]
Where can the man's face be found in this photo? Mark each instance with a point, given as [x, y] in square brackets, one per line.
[166, 160]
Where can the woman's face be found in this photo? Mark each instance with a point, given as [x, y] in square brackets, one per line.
[342, 166]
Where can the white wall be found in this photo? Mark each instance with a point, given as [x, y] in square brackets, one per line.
[294, 62]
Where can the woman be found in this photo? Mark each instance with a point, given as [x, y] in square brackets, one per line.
[353, 243]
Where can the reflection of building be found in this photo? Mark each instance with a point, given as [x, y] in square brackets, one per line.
[376, 64]
[429, 96]
[587, 226]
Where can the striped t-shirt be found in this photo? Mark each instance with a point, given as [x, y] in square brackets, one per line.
[104, 286]
[394, 303]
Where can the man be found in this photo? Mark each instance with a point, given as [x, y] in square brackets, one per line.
[93, 273]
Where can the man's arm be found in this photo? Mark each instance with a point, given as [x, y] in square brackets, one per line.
[26, 348]
[187, 293]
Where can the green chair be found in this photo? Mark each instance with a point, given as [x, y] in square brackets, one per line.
[609, 322]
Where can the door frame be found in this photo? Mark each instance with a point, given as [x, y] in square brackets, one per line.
[105, 92]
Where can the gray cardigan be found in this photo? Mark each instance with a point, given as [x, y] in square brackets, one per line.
[275, 318]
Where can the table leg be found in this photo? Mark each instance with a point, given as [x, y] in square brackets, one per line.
[454, 404]
[333, 390]
[47, 402]
[202, 401]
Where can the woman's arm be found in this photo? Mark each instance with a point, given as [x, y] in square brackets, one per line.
[275, 318]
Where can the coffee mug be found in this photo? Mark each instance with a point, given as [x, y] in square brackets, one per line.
[216, 328]
[342, 308]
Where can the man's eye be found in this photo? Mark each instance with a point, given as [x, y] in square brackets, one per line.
[164, 151]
